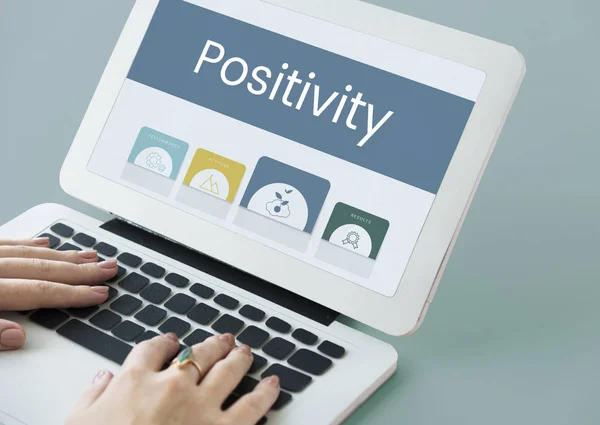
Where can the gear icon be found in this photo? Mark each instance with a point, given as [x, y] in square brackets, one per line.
[153, 160]
[162, 168]
[352, 238]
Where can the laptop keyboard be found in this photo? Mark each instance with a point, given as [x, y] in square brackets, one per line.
[147, 299]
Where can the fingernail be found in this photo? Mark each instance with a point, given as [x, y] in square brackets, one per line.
[245, 349]
[108, 264]
[273, 381]
[99, 376]
[171, 336]
[87, 255]
[100, 289]
[42, 241]
[228, 338]
[12, 338]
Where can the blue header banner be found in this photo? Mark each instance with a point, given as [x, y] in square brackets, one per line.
[369, 117]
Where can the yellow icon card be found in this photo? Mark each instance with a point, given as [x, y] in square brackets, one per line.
[215, 175]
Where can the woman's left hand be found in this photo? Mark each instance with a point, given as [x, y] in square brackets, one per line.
[34, 276]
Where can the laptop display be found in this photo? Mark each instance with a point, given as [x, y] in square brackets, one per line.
[310, 138]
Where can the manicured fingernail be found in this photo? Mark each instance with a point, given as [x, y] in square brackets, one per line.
[12, 338]
[244, 349]
[228, 338]
[100, 289]
[108, 264]
[42, 241]
[87, 255]
[272, 380]
[171, 336]
[99, 375]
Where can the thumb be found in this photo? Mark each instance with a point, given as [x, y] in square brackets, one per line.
[12, 335]
[99, 384]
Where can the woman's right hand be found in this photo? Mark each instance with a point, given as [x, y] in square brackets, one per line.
[143, 394]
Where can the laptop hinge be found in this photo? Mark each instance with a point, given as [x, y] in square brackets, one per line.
[220, 270]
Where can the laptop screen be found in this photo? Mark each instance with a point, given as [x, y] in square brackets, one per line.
[315, 140]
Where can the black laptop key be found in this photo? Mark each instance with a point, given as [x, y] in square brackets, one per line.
[252, 313]
[62, 230]
[120, 273]
[53, 240]
[290, 379]
[253, 336]
[49, 318]
[85, 240]
[95, 340]
[257, 364]
[129, 259]
[246, 385]
[146, 336]
[151, 315]
[229, 401]
[153, 270]
[134, 282]
[331, 349]
[279, 348]
[282, 401]
[101, 260]
[68, 247]
[203, 314]
[202, 291]
[84, 312]
[278, 325]
[175, 325]
[126, 304]
[305, 336]
[226, 301]
[106, 320]
[106, 249]
[155, 293]
[112, 293]
[180, 303]
[263, 421]
[177, 280]
[128, 331]
[196, 337]
[310, 362]
[228, 324]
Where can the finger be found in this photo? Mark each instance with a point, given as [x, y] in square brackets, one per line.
[99, 384]
[57, 271]
[40, 242]
[12, 335]
[19, 295]
[76, 257]
[205, 354]
[222, 379]
[249, 409]
[153, 353]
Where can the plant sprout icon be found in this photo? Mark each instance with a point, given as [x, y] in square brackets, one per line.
[352, 238]
[279, 207]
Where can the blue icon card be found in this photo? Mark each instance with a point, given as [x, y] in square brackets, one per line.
[286, 194]
[158, 152]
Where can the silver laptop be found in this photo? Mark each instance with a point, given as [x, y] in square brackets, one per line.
[270, 166]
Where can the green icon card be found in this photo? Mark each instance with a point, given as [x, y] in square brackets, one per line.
[356, 230]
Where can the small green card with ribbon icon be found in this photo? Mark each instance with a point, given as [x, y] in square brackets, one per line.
[356, 230]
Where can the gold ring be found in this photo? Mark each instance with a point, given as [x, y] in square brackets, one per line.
[186, 357]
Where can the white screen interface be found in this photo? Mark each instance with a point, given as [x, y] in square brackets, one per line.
[312, 139]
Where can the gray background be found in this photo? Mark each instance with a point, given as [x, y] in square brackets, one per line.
[512, 336]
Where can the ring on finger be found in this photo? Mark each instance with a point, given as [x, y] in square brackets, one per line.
[186, 357]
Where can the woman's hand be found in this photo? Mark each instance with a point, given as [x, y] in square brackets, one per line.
[142, 394]
[34, 276]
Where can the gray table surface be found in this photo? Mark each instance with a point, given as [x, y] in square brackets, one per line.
[512, 336]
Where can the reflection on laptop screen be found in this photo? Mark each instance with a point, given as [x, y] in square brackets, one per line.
[310, 138]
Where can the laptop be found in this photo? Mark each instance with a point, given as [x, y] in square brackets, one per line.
[269, 166]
